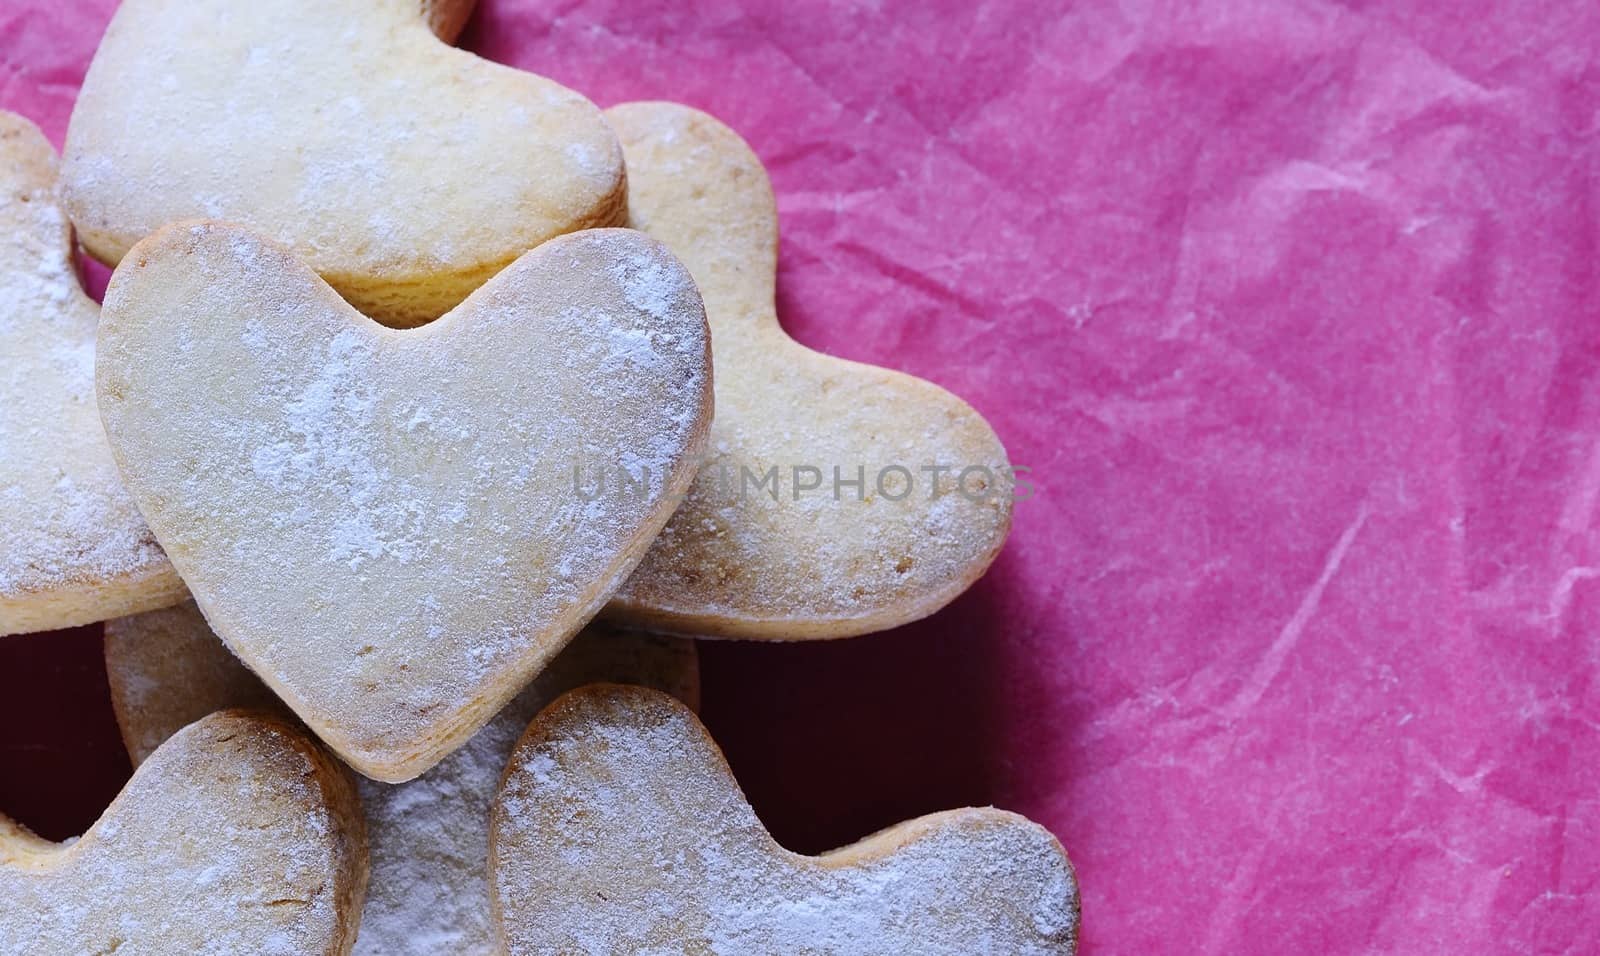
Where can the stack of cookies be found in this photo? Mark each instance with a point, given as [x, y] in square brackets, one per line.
[431, 415]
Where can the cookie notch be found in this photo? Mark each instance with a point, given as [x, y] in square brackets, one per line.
[620, 828]
[239, 835]
[429, 838]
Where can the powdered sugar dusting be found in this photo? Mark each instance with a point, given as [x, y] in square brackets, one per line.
[223, 842]
[430, 841]
[845, 558]
[651, 285]
[385, 524]
[429, 838]
[72, 545]
[415, 170]
[619, 829]
[317, 442]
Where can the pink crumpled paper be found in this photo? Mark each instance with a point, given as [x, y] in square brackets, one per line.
[1290, 307]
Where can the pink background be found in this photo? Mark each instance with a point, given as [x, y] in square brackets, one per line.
[1290, 307]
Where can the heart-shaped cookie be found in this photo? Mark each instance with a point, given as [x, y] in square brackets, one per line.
[837, 498]
[620, 829]
[405, 171]
[239, 835]
[429, 838]
[389, 526]
[73, 548]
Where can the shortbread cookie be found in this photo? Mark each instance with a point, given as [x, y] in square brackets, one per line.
[166, 670]
[620, 829]
[910, 491]
[73, 548]
[386, 525]
[239, 835]
[405, 171]
[429, 891]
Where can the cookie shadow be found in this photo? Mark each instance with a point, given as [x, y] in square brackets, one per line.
[61, 757]
[834, 740]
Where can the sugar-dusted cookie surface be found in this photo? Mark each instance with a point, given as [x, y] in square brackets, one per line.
[73, 548]
[240, 835]
[429, 838]
[620, 829]
[385, 525]
[404, 170]
[166, 669]
[753, 552]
